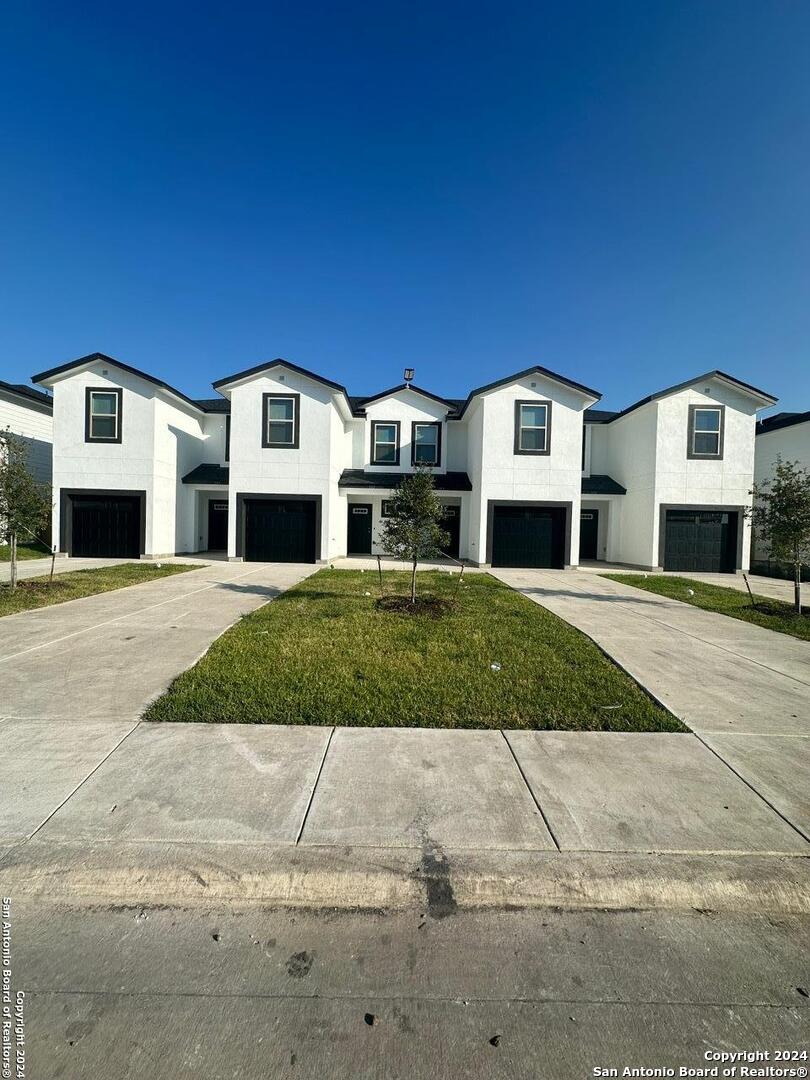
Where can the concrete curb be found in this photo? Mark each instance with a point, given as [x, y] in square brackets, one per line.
[433, 882]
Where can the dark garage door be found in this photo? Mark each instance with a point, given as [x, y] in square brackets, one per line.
[701, 540]
[105, 526]
[280, 530]
[528, 536]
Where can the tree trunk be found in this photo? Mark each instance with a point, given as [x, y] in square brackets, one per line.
[12, 566]
[413, 583]
[797, 587]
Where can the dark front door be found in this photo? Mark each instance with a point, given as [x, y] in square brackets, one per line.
[359, 540]
[588, 534]
[217, 525]
[528, 536]
[105, 526]
[452, 523]
[280, 530]
[701, 540]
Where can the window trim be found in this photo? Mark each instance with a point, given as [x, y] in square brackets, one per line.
[385, 423]
[427, 423]
[383, 504]
[89, 437]
[518, 407]
[691, 453]
[227, 436]
[296, 422]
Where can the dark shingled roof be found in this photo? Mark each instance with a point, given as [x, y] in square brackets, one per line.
[213, 405]
[451, 481]
[601, 485]
[208, 474]
[781, 420]
[28, 392]
[598, 416]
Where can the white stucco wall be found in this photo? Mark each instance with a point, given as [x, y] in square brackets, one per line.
[646, 452]
[179, 447]
[551, 478]
[792, 444]
[309, 469]
[124, 466]
[472, 510]
[34, 424]
[213, 430]
[160, 442]
[405, 407]
[691, 482]
[630, 450]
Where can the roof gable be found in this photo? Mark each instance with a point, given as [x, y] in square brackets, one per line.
[359, 404]
[744, 388]
[586, 391]
[270, 365]
[94, 358]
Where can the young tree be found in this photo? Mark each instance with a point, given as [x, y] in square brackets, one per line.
[781, 517]
[413, 530]
[25, 503]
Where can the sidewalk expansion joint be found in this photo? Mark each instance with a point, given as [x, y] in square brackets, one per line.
[529, 789]
[81, 783]
[315, 786]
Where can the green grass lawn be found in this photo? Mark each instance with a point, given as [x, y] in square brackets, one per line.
[24, 551]
[772, 614]
[323, 653]
[40, 592]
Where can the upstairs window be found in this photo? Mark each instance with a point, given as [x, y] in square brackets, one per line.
[102, 421]
[706, 431]
[385, 442]
[426, 441]
[280, 421]
[532, 427]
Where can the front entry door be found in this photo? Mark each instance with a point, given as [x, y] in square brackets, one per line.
[451, 523]
[588, 534]
[359, 542]
[217, 525]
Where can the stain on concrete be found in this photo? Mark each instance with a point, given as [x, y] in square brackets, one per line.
[299, 965]
[434, 872]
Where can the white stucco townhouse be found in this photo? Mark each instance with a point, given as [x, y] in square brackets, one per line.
[28, 413]
[785, 435]
[285, 465]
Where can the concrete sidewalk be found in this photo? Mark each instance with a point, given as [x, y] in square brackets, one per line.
[744, 690]
[357, 817]
[109, 655]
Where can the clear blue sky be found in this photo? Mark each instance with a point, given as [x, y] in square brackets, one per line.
[618, 191]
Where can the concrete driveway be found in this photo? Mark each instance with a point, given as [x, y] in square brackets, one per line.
[745, 691]
[108, 656]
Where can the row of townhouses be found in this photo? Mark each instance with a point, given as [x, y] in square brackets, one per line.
[286, 465]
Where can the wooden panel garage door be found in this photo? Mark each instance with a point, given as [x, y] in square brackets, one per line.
[528, 536]
[105, 526]
[280, 530]
[701, 540]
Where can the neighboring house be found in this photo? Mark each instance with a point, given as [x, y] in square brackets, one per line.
[28, 413]
[785, 435]
[285, 465]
